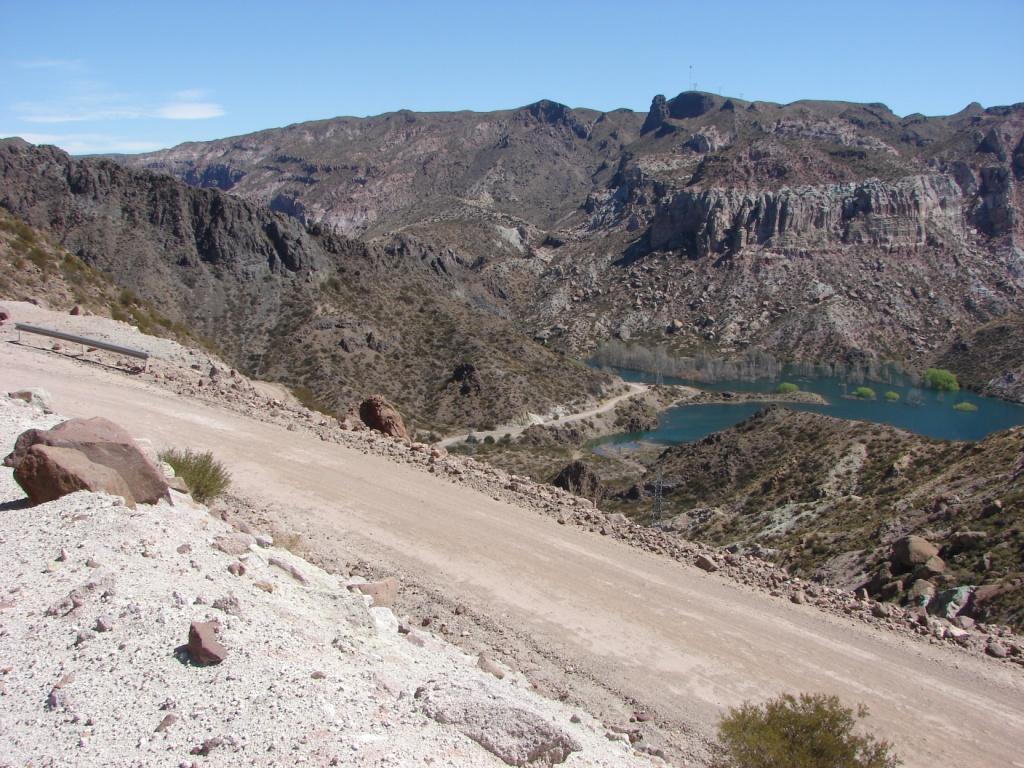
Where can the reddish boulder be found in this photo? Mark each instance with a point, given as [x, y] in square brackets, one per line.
[101, 442]
[377, 413]
[48, 472]
[203, 646]
[5, 315]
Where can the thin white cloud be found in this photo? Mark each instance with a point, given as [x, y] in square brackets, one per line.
[74, 113]
[66, 65]
[92, 102]
[90, 143]
[190, 110]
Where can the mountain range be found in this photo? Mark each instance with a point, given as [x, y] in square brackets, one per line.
[465, 263]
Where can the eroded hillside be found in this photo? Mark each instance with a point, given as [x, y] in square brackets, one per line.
[829, 498]
[335, 318]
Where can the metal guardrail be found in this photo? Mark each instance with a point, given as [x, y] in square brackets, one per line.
[82, 340]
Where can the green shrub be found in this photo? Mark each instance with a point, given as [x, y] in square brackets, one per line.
[941, 379]
[812, 731]
[891, 396]
[206, 477]
[787, 388]
[965, 407]
[488, 440]
[864, 393]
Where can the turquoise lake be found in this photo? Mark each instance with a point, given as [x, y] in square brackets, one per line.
[924, 411]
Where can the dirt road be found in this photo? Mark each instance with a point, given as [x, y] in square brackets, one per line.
[676, 639]
[516, 430]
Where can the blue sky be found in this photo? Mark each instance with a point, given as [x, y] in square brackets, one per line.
[130, 77]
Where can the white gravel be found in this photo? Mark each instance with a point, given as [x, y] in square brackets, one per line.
[308, 678]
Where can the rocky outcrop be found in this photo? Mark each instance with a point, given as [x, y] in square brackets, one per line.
[488, 715]
[468, 379]
[377, 413]
[580, 479]
[909, 213]
[657, 115]
[84, 454]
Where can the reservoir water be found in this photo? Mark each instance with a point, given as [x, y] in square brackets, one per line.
[924, 411]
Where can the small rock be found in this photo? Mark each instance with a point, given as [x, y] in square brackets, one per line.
[207, 746]
[996, 649]
[236, 569]
[84, 636]
[266, 586]
[168, 720]
[203, 646]
[234, 543]
[488, 665]
[229, 605]
[705, 563]
[288, 568]
[264, 541]
[318, 675]
[104, 624]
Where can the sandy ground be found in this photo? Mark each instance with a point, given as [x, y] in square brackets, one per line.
[673, 639]
[312, 676]
[514, 430]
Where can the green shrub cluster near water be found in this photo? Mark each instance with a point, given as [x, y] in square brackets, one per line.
[787, 388]
[865, 393]
[941, 379]
[891, 396]
[965, 407]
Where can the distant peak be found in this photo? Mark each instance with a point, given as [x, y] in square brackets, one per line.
[554, 113]
[687, 104]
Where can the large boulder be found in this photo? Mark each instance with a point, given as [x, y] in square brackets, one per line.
[47, 473]
[100, 442]
[912, 551]
[377, 413]
[491, 716]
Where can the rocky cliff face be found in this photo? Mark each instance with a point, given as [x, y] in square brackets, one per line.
[331, 316]
[909, 213]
